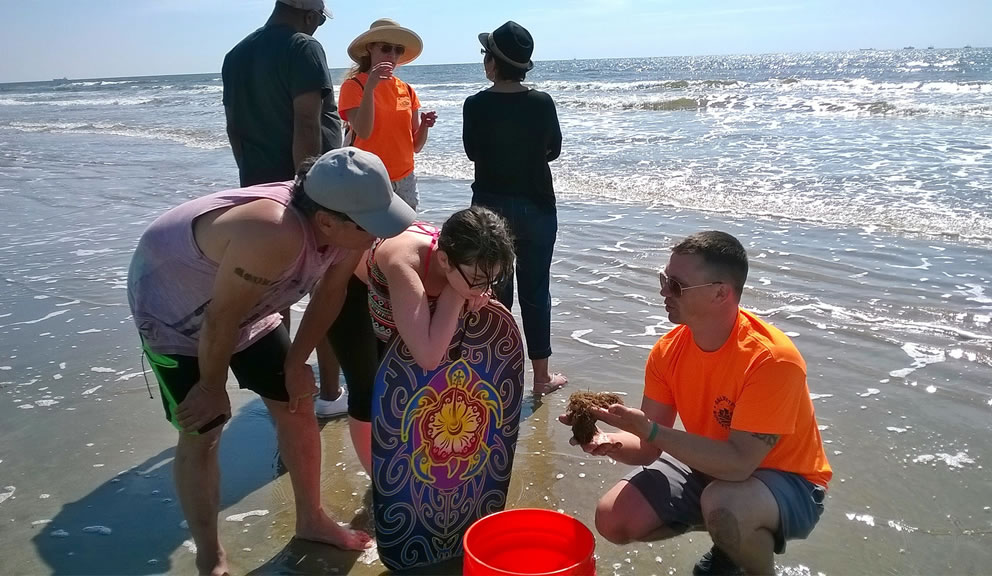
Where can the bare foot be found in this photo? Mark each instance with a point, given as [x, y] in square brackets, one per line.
[212, 564]
[557, 381]
[323, 529]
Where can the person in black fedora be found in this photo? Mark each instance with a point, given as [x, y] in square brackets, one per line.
[511, 133]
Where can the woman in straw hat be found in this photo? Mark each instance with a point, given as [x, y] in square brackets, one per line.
[383, 112]
[511, 132]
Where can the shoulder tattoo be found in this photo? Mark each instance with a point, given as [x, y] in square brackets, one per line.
[248, 277]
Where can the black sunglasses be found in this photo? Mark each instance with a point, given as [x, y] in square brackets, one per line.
[322, 16]
[675, 288]
[391, 48]
[485, 284]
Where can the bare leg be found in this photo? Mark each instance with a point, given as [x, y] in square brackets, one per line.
[544, 380]
[330, 371]
[361, 439]
[742, 517]
[197, 475]
[299, 445]
[623, 516]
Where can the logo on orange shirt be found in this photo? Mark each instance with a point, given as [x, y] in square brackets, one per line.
[723, 411]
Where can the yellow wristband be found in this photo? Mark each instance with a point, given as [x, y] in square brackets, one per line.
[654, 431]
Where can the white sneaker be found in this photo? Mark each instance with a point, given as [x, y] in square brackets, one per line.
[332, 408]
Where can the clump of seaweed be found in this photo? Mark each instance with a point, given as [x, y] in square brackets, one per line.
[580, 410]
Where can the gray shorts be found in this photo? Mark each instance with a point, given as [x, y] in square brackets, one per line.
[673, 490]
[406, 188]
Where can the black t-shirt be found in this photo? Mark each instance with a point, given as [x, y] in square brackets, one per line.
[511, 137]
[262, 75]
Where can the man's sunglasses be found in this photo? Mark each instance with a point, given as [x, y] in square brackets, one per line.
[675, 288]
[346, 218]
[392, 48]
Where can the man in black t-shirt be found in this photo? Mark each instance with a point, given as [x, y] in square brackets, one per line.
[281, 110]
[278, 96]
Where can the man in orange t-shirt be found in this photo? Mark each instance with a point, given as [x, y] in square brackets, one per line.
[750, 467]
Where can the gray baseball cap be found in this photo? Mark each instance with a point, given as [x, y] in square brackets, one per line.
[355, 183]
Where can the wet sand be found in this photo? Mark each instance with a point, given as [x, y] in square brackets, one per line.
[894, 329]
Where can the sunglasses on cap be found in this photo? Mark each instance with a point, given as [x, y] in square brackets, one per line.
[391, 49]
[675, 288]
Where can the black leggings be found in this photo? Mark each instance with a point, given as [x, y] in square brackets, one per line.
[357, 348]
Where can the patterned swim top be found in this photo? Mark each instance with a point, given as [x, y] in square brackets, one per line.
[380, 308]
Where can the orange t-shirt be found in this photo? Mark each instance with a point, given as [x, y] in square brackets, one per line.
[392, 132]
[755, 383]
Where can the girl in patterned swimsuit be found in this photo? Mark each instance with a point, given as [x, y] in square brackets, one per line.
[419, 284]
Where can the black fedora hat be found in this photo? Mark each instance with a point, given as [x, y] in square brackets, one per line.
[511, 43]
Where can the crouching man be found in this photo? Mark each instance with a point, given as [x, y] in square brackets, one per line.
[750, 468]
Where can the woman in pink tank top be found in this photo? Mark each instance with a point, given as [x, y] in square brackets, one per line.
[419, 284]
[422, 280]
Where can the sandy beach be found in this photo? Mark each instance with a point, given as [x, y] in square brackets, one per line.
[90, 460]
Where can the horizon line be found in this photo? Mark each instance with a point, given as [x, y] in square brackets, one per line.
[928, 48]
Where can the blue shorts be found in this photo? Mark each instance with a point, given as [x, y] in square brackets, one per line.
[673, 490]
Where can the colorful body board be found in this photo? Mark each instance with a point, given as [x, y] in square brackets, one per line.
[443, 439]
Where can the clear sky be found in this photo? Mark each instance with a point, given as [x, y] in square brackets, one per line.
[42, 40]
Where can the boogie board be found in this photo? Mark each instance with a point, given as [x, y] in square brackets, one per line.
[443, 439]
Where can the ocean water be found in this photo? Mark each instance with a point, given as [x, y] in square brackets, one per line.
[899, 139]
[859, 182]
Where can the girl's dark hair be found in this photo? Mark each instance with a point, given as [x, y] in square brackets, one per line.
[364, 65]
[301, 201]
[505, 70]
[478, 237]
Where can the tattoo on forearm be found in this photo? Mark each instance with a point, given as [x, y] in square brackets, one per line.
[769, 439]
[252, 278]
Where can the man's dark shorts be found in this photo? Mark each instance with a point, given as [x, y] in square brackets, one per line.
[357, 348]
[258, 368]
[674, 490]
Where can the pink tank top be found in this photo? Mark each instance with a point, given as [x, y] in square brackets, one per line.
[380, 306]
[170, 281]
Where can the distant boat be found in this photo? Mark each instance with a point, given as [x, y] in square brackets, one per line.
[60, 80]
[909, 48]
[930, 47]
[967, 47]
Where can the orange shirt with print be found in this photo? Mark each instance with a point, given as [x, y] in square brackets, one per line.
[392, 132]
[755, 383]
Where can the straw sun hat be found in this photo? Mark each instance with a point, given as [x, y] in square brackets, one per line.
[390, 32]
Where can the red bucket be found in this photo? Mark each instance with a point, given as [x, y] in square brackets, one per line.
[529, 542]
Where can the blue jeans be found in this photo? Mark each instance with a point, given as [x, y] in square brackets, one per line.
[534, 228]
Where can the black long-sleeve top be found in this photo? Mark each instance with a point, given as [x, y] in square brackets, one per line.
[511, 137]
